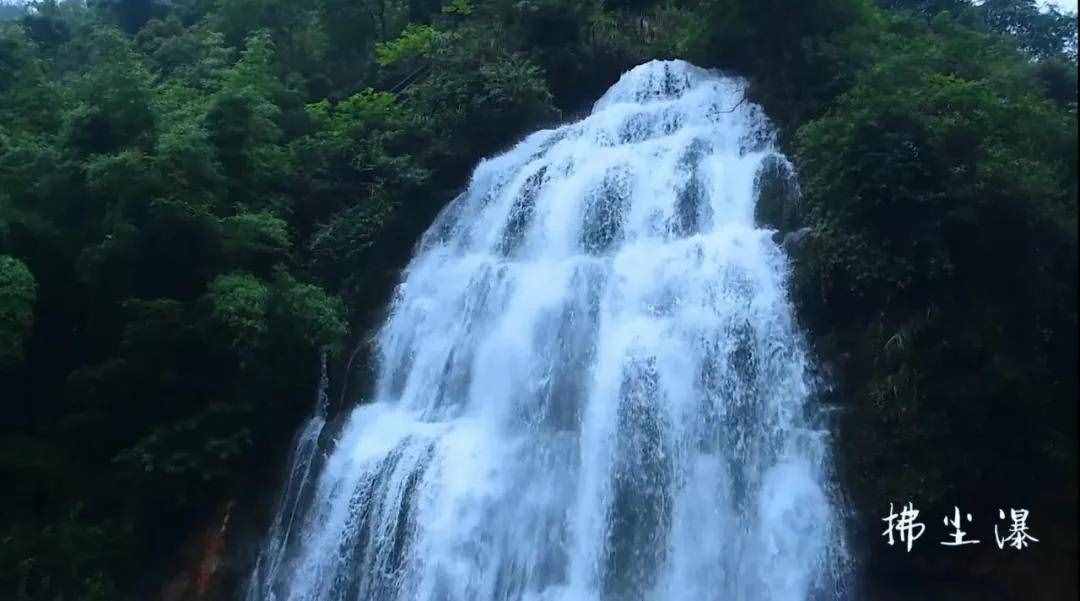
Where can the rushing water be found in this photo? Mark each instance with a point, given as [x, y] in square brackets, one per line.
[590, 385]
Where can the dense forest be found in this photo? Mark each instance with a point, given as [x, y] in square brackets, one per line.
[201, 198]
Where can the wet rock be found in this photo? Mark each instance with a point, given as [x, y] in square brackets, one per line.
[795, 242]
[777, 188]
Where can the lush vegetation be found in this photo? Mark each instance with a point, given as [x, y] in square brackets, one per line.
[941, 276]
[198, 198]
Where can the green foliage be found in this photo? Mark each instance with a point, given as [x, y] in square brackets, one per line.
[25, 91]
[1041, 33]
[348, 238]
[68, 555]
[463, 8]
[184, 457]
[305, 312]
[416, 42]
[111, 108]
[18, 292]
[238, 310]
[256, 238]
[479, 100]
[941, 187]
[358, 144]
[798, 55]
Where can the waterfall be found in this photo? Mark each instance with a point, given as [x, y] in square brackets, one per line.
[290, 505]
[590, 384]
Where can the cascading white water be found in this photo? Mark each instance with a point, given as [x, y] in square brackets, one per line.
[590, 385]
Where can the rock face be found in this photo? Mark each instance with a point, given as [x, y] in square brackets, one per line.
[778, 205]
[794, 242]
[206, 574]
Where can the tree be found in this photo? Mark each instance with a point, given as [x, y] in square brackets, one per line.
[18, 292]
[940, 190]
